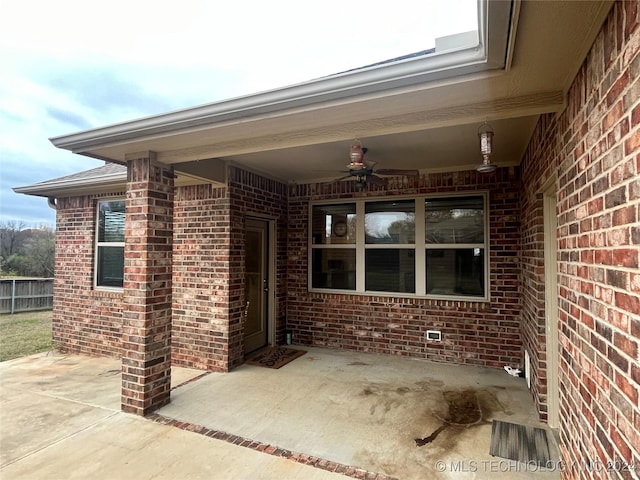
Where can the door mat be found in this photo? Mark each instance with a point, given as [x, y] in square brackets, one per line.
[520, 443]
[275, 357]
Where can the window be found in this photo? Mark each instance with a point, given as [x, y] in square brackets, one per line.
[390, 246]
[109, 261]
[455, 243]
[423, 246]
[334, 229]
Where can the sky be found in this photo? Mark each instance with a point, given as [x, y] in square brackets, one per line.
[70, 65]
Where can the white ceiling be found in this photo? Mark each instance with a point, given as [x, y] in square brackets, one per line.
[437, 149]
[429, 127]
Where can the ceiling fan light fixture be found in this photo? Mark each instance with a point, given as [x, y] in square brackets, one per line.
[356, 154]
[365, 173]
[485, 134]
[486, 167]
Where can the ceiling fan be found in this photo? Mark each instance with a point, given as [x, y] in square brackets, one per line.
[365, 172]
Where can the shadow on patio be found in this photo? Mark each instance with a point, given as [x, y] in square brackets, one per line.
[365, 410]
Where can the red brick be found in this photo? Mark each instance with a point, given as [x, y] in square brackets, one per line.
[147, 291]
[635, 374]
[630, 303]
[635, 116]
[631, 18]
[619, 320]
[80, 312]
[632, 143]
[618, 87]
[627, 388]
[598, 281]
[620, 443]
[626, 345]
[613, 116]
[625, 257]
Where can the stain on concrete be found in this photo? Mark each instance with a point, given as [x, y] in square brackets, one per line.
[463, 410]
[429, 384]
[420, 442]
[427, 419]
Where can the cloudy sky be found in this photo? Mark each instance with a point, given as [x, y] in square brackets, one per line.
[71, 65]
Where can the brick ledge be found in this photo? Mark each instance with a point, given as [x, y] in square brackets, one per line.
[316, 462]
[105, 293]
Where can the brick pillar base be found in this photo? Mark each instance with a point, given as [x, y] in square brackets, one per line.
[146, 318]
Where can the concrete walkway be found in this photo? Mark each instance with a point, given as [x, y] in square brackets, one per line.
[353, 413]
[60, 419]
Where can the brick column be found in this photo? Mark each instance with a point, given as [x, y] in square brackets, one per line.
[146, 317]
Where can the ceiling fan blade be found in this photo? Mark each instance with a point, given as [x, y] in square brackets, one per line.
[395, 171]
[375, 180]
[343, 178]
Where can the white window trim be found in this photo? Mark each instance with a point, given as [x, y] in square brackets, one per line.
[420, 247]
[98, 244]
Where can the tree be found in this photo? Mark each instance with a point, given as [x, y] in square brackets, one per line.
[16, 264]
[26, 252]
[39, 252]
[10, 233]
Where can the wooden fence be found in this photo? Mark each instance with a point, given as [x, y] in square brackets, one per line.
[25, 294]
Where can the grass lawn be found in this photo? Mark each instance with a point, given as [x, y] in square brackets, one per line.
[24, 334]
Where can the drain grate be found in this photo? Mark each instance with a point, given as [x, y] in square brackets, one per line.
[520, 443]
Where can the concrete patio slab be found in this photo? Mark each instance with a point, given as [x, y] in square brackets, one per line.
[30, 422]
[368, 410]
[125, 447]
[60, 418]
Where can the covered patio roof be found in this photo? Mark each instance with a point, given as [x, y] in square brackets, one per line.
[420, 112]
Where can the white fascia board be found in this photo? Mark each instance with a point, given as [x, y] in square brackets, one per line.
[53, 188]
[339, 87]
[360, 82]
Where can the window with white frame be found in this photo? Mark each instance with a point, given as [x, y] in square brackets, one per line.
[109, 259]
[420, 246]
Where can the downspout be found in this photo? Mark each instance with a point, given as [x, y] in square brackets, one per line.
[52, 202]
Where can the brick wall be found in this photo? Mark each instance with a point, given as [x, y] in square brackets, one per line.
[147, 292]
[201, 273]
[593, 150]
[208, 267]
[533, 272]
[89, 321]
[254, 195]
[85, 321]
[208, 275]
[477, 333]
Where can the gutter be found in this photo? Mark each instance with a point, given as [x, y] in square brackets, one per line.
[46, 189]
[346, 85]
